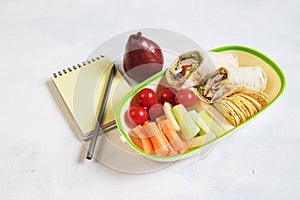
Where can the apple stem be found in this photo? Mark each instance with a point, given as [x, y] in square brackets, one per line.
[138, 35]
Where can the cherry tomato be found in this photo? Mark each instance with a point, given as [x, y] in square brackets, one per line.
[137, 115]
[155, 111]
[185, 97]
[146, 97]
[166, 95]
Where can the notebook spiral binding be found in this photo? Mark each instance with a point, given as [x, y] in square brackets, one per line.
[75, 67]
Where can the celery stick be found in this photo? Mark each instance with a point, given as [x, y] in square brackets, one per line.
[187, 126]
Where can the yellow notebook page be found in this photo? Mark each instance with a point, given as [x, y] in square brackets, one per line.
[82, 90]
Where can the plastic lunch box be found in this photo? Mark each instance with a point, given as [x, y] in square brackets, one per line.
[247, 57]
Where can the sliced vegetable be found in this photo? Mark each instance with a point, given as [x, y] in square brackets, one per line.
[139, 131]
[172, 151]
[188, 127]
[197, 141]
[136, 140]
[199, 121]
[214, 126]
[158, 142]
[171, 134]
[169, 114]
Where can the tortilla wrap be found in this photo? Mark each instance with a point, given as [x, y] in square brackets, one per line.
[228, 78]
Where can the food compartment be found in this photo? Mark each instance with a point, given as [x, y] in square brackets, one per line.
[174, 128]
[187, 123]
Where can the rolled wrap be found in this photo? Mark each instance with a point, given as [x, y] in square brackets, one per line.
[184, 67]
[207, 64]
[227, 78]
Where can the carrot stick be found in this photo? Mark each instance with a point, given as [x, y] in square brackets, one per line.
[136, 140]
[172, 135]
[172, 151]
[159, 145]
[147, 146]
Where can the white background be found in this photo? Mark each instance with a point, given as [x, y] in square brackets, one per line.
[41, 158]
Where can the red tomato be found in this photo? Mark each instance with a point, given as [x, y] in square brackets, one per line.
[137, 115]
[146, 97]
[155, 111]
[185, 97]
[166, 95]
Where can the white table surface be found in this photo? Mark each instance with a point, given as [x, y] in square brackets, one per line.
[41, 158]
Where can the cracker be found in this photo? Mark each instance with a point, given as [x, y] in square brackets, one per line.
[237, 110]
[234, 99]
[253, 101]
[227, 112]
[259, 96]
[249, 106]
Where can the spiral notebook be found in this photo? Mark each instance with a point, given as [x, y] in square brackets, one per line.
[82, 88]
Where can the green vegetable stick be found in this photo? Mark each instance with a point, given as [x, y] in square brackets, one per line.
[212, 124]
[168, 111]
[188, 127]
[199, 121]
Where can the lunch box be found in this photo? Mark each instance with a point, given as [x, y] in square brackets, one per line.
[247, 57]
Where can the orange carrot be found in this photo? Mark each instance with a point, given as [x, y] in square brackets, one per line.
[136, 140]
[172, 151]
[155, 135]
[172, 135]
[147, 146]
